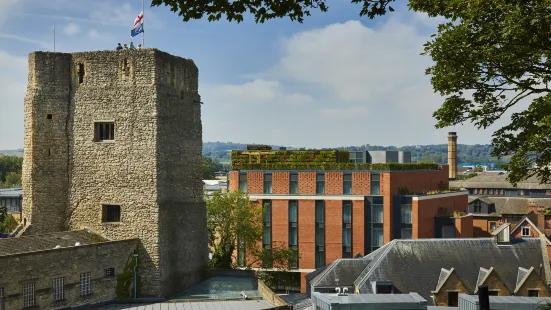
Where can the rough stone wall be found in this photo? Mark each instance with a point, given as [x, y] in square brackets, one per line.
[183, 239]
[533, 282]
[494, 282]
[45, 165]
[453, 283]
[152, 169]
[42, 267]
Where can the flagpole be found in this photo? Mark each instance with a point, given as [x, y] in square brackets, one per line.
[143, 25]
[54, 38]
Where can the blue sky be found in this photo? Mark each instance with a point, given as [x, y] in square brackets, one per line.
[335, 80]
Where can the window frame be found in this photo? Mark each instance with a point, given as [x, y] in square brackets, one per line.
[267, 183]
[375, 181]
[85, 281]
[267, 230]
[319, 258]
[522, 231]
[494, 224]
[456, 298]
[529, 291]
[347, 226]
[347, 184]
[242, 180]
[109, 272]
[29, 295]
[320, 183]
[292, 182]
[293, 226]
[107, 216]
[99, 131]
[58, 289]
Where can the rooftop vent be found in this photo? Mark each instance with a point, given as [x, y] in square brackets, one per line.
[57, 247]
[78, 244]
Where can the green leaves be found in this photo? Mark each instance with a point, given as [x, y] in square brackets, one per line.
[262, 10]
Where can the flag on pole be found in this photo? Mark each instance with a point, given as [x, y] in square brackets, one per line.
[138, 25]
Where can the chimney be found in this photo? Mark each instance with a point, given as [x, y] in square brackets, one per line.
[483, 298]
[452, 155]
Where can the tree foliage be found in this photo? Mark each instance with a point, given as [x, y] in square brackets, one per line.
[231, 219]
[10, 171]
[491, 56]
[209, 167]
[262, 10]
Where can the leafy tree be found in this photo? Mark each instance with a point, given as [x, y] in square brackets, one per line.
[209, 168]
[231, 219]
[3, 213]
[8, 224]
[491, 56]
[13, 179]
[262, 10]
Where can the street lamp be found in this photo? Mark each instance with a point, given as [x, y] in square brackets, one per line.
[135, 255]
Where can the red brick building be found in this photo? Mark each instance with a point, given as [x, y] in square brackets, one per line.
[330, 214]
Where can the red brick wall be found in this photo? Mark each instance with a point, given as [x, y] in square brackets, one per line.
[333, 230]
[280, 224]
[418, 181]
[255, 182]
[464, 227]
[518, 232]
[481, 226]
[424, 211]
[303, 281]
[306, 233]
[361, 183]
[234, 181]
[306, 183]
[333, 183]
[280, 182]
[387, 205]
[358, 227]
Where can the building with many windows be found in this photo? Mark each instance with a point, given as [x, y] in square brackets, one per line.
[328, 208]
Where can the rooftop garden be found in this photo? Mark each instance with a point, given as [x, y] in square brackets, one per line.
[311, 160]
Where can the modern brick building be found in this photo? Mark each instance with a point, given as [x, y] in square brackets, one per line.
[328, 208]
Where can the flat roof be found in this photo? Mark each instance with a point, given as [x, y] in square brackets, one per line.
[14, 192]
[411, 298]
[497, 300]
[206, 305]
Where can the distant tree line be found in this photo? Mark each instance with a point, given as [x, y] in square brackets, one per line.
[472, 154]
[10, 171]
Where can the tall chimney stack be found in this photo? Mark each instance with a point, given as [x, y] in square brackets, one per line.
[452, 155]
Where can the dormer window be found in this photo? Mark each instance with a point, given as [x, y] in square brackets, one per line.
[477, 206]
[382, 287]
[525, 231]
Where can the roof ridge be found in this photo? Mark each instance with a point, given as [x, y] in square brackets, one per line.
[376, 263]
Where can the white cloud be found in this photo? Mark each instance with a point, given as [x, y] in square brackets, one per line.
[93, 33]
[365, 85]
[71, 29]
[13, 80]
[7, 8]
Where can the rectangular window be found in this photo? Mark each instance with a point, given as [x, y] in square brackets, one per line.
[111, 213]
[267, 183]
[477, 206]
[109, 272]
[57, 289]
[85, 284]
[347, 184]
[243, 182]
[293, 183]
[293, 231]
[405, 212]
[453, 299]
[537, 193]
[375, 184]
[104, 131]
[493, 225]
[377, 210]
[405, 233]
[347, 229]
[320, 183]
[525, 231]
[378, 240]
[267, 234]
[493, 292]
[29, 299]
[320, 233]
[511, 192]
[533, 293]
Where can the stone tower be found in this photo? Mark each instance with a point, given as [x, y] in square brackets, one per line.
[452, 155]
[113, 143]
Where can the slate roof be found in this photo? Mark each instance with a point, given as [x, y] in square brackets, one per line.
[203, 305]
[14, 192]
[512, 205]
[346, 270]
[495, 180]
[415, 265]
[36, 243]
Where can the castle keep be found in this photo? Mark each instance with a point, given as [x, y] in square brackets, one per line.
[113, 143]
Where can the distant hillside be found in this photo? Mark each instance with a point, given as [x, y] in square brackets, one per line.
[475, 154]
[18, 153]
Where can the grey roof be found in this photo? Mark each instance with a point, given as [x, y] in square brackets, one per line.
[408, 299]
[500, 228]
[415, 265]
[35, 243]
[512, 205]
[507, 300]
[495, 180]
[14, 192]
[346, 270]
[207, 305]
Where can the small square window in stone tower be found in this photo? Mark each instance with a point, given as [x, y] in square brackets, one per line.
[110, 213]
[125, 70]
[104, 131]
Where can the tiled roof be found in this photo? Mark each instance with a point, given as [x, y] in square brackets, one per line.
[495, 180]
[513, 205]
[415, 265]
[35, 243]
[346, 270]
